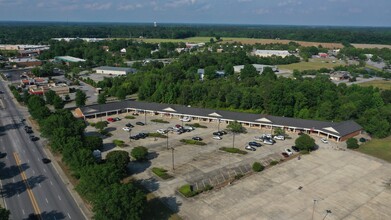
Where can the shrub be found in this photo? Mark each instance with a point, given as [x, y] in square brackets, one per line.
[208, 187]
[157, 135]
[258, 167]
[139, 153]
[189, 141]
[130, 117]
[160, 121]
[352, 143]
[160, 172]
[196, 125]
[273, 162]
[187, 191]
[118, 143]
[238, 176]
[92, 124]
[305, 142]
[232, 150]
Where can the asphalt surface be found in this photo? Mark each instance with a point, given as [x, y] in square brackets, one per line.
[28, 185]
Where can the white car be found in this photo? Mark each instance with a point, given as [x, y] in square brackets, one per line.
[324, 140]
[161, 131]
[288, 151]
[279, 137]
[188, 128]
[185, 119]
[256, 138]
[217, 137]
[267, 141]
[126, 129]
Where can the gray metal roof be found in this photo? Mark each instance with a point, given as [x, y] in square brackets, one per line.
[336, 128]
[112, 68]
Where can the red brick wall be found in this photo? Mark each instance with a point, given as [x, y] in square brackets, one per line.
[344, 138]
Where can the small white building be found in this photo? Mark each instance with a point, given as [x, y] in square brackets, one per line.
[114, 70]
[258, 67]
[269, 53]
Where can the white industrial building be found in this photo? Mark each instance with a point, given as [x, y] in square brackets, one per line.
[269, 53]
[258, 67]
[114, 70]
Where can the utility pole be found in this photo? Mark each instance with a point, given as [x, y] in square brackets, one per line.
[172, 156]
[313, 209]
[327, 212]
[167, 140]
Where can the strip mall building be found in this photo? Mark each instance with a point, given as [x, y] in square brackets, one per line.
[337, 131]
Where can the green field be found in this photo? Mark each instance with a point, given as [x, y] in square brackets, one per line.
[312, 64]
[380, 148]
[381, 84]
[190, 40]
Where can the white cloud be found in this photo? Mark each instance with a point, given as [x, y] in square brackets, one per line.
[98, 6]
[240, 1]
[180, 3]
[127, 7]
[262, 11]
[289, 2]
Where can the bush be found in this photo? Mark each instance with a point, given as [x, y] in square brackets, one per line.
[160, 121]
[160, 172]
[139, 153]
[158, 135]
[92, 124]
[273, 162]
[208, 187]
[189, 141]
[232, 150]
[118, 143]
[130, 117]
[187, 191]
[196, 125]
[258, 167]
[305, 142]
[352, 143]
[238, 176]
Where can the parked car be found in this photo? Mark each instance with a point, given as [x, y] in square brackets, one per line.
[135, 114]
[143, 135]
[268, 141]
[129, 125]
[223, 132]
[267, 136]
[197, 138]
[135, 137]
[126, 129]
[185, 119]
[217, 137]
[296, 149]
[140, 123]
[2, 155]
[110, 119]
[29, 131]
[46, 160]
[218, 133]
[27, 127]
[325, 141]
[288, 151]
[284, 154]
[279, 137]
[256, 138]
[250, 148]
[161, 131]
[254, 144]
[34, 138]
[117, 119]
[188, 128]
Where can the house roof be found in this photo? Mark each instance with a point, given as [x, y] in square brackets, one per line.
[336, 128]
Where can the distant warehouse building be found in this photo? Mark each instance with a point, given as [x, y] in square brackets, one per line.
[258, 67]
[68, 59]
[269, 53]
[114, 70]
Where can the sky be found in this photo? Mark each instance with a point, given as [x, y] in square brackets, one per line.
[262, 12]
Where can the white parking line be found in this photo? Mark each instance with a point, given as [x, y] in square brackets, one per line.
[44, 170]
[59, 197]
[51, 183]
[69, 215]
[47, 200]
[23, 212]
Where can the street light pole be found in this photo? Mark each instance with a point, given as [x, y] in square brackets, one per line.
[167, 140]
[172, 155]
[313, 209]
[218, 125]
[327, 212]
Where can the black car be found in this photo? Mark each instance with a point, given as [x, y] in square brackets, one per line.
[140, 123]
[218, 133]
[129, 125]
[223, 132]
[2, 155]
[27, 127]
[197, 138]
[29, 131]
[46, 160]
[135, 137]
[34, 138]
[296, 149]
[143, 135]
[254, 144]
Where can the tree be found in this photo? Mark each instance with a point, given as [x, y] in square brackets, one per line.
[49, 96]
[93, 143]
[268, 73]
[80, 98]
[258, 167]
[119, 201]
[235, 127]
[101, 125]
[121, 93]
[139, 153]
[67, 98]
[58, 103]
[305, 142]
[248, 71]
[352, 143]
[119, 159]
[279, 131]
[4, 213]
[102, 98]
[37, 108]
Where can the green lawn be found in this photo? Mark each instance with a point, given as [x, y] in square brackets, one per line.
[381, 84]
[190, 40]
[312, 64]
[380, 148]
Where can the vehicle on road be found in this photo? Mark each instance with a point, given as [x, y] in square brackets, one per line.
[250, 148]
[185, 119]
[217, 137]
[296, 149]
[288, 151]
[2, 155]
[140, 123]
[126, 129]
[324, 141]
[284, 154]
[254, 144]
[46, 160]
[197, 138]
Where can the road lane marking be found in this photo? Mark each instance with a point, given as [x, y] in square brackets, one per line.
[69, 215]
[37, 211]
[59, 197]
[47, 200]
[51, 183]
[23, 212]
[44, 170]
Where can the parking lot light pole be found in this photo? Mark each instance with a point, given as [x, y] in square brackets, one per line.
[172, 156]
[327, 212]
[313, 209]
[218, 125]
[167, 140]
[145, 117]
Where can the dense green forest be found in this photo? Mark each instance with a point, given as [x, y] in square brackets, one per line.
[41, 32]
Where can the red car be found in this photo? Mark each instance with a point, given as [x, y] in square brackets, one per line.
[111, 119]
[285, 154]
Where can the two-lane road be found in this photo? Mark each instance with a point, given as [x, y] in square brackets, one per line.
[28, 185]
